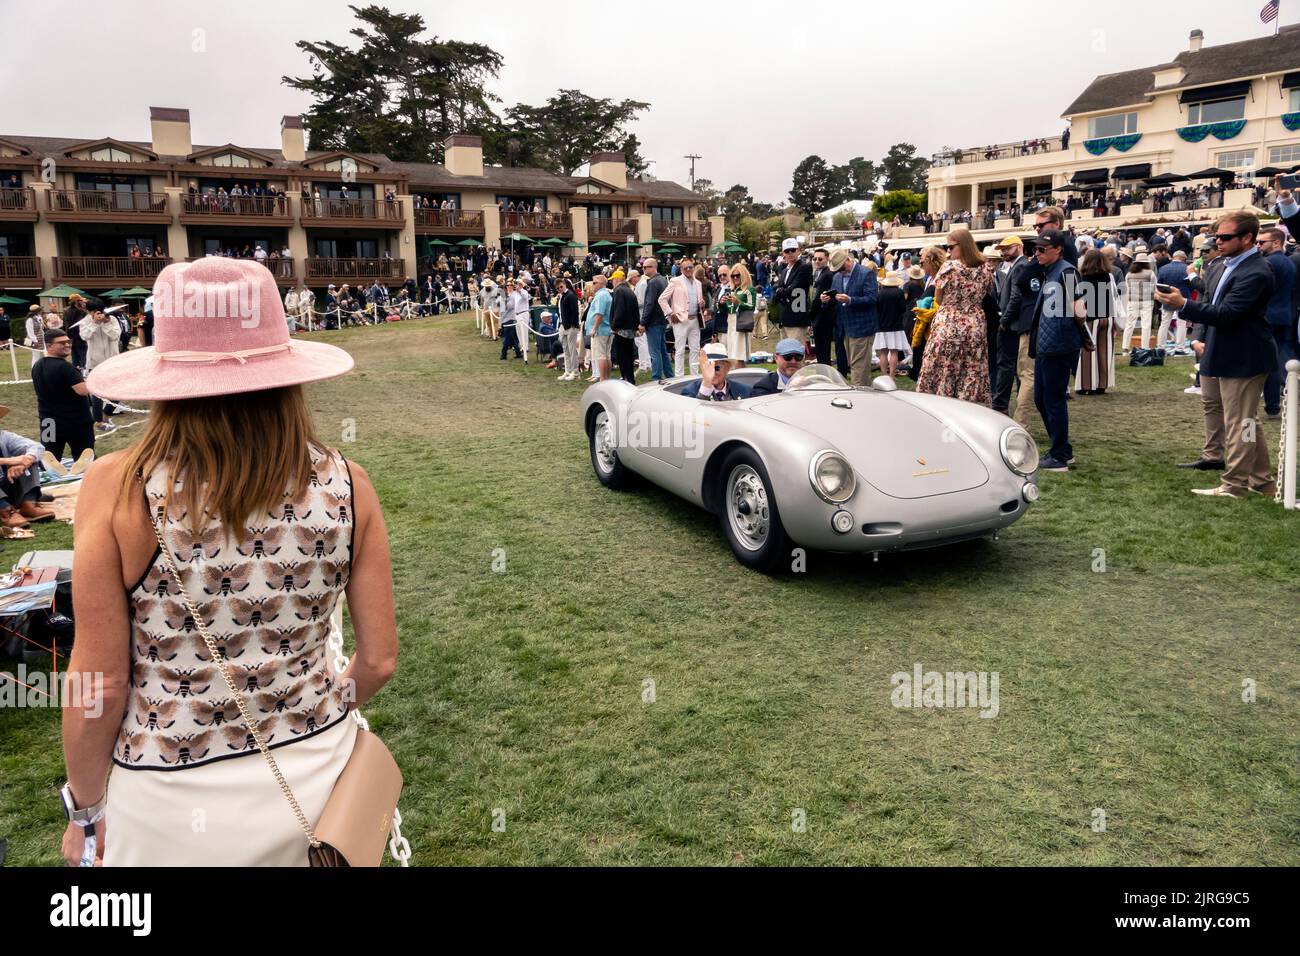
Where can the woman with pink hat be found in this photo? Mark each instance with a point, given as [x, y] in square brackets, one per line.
[233, 531]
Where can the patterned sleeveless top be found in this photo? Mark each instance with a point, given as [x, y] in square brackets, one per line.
[266, 597]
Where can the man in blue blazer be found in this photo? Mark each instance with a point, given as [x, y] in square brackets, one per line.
[854, 288]
[713, 385]
[1239, 350]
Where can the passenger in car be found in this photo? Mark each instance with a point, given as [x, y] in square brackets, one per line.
[713, 385]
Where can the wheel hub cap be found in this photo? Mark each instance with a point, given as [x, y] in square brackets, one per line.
[747, 507]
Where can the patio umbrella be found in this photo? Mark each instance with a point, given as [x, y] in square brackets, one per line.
[138, 292]
[1167, 179]
[1269, 171]
[59, 292]
[470, 242]
[10, 300]
[602, 244]
[655, 242]
[111, 294]
[1213, 173]
[670, 247]
[730, 246]
[436, 242]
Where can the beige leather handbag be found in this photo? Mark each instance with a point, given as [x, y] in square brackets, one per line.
[358, 815]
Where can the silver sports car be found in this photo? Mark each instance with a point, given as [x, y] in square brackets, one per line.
[819, 465]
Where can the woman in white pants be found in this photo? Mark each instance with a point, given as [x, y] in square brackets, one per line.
[1140, 283]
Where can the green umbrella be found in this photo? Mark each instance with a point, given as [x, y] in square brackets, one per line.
[436, 242]
[720, 247]
[60, 292]
[137, 292]
[655, 242]
[517, 237]
[670, 248]
[733, 247]
[603, 244]
[111, 294]
[10, 300]
[470, 242]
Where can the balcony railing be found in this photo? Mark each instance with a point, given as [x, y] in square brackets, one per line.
[984, 154]
[599, 227]
[20, 267]
[111, 268]
[535, 221]
[318, 268]
[102, 201]
[282, 269]
[452, 220]
[381, 210]
[17, 200]
[225, 207]
[691, 231]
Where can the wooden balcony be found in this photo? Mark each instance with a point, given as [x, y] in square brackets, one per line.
[452, 222]
[351, 213]
[108, 269]
[539, 224]
[17, 205]
[320, 270]
[692, 231]
[25, 269]
[282, 269]
[237, 210]
[95, 205]
[611, 230]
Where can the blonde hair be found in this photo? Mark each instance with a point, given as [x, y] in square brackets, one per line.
[934, 257]
[967, 251]
[204, 443]
[746, 280]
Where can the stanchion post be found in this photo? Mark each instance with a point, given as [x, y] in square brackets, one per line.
[1292, 424]
[13, 358]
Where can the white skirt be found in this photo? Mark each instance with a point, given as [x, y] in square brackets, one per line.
[737, 342]
[897, 341]
[227, 813]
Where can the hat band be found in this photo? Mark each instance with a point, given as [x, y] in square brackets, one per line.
[241, 355]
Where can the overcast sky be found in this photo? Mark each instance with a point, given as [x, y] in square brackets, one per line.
[752, 87]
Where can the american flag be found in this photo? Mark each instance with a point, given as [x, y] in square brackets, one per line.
[1269, 13]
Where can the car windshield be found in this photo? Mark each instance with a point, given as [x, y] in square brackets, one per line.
[819, 378]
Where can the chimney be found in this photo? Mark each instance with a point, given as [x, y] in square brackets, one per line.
[1195, 40]
[293, 142]
[171, 131]
[463, 155]
[610, 168]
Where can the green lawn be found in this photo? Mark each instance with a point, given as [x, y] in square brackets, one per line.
[521, 693]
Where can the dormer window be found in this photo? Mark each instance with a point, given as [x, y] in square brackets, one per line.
[345, 164]
[109, 154]
[1116, 124]
[230, 159]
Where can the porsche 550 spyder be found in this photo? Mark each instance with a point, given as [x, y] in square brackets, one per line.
[820, 465]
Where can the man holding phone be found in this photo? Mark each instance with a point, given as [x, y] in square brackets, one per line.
[1239, 350]
[1173, 276]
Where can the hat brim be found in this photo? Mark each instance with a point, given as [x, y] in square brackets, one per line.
[141, 376]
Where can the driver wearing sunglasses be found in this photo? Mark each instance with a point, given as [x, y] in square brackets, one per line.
[789, 359]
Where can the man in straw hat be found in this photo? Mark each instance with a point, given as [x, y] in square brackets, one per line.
[854, 289]
[713, 385]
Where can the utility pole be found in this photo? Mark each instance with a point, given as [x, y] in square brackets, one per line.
[692, 157]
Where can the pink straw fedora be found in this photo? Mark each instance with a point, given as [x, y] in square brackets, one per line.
[219, 329]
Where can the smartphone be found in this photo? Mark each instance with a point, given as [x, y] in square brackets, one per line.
[1289, 182]
[1164, 289]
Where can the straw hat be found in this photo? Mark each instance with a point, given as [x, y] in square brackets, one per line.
[915, 272]
[219, 329]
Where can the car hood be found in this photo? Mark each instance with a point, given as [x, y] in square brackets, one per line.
[899, 449]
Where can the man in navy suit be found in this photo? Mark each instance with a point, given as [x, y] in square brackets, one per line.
[713, 385]
[789, 359]
[1239, 350]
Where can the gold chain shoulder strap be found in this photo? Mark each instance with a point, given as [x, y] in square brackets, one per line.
[220, 659]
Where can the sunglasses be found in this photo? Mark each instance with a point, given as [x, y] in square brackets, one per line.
[951, 246]
[735, 275]
[793, 357]
[1227, 237]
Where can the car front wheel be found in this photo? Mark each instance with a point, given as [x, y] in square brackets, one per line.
[610, 472]
[749, 514]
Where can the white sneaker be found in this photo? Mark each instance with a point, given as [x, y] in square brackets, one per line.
[1192, 390]
[563, 377]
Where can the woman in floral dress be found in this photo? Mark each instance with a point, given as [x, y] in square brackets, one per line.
[956, 351]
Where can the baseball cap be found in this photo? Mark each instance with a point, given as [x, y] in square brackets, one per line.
[1011, 241]
[789, 347]
[618, 274]
[788, 244]
[1050, 238]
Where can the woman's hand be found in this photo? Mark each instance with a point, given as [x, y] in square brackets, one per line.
[74, 844]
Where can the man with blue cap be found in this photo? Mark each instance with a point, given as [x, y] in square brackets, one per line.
[789, 359]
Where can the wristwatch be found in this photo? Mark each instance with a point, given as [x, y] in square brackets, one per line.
[82, 818]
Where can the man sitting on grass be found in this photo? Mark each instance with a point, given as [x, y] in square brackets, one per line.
[20, 480]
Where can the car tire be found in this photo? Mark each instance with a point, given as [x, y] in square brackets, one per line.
[748, 512]
[610, 472]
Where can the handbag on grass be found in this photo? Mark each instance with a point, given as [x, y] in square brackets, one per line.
[1146, 358]
[358, 815]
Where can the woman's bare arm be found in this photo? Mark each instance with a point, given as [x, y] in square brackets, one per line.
[370, 595]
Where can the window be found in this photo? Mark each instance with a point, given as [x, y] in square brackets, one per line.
[1216, 111]
[1116, 124]
[667, 213]
[230, 159]
[345, 164]
[108, 154]
[1282, 155]
[600, 211]
[1237, 159]
[1294, 104]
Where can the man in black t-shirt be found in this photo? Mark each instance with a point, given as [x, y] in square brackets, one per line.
[62, 399]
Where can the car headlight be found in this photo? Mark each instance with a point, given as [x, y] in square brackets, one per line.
[1019, 451]
[832, 477]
